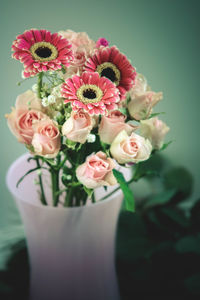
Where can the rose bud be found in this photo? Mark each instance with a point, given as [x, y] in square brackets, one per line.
[155, 130]
[142, 99]
[78, 126]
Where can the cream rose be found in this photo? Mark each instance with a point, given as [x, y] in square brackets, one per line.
[78, 126]
[133, 148]
[155, 130]
[142, 99]
[141, 106]
[96, 171]
[46, 139]
[26, 112]
[112, 124]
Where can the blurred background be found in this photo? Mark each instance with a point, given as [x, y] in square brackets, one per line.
[161, 38]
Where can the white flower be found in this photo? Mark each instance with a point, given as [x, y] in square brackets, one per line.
[45, 102]
[51, 99]
[91, 138]
[56, 91]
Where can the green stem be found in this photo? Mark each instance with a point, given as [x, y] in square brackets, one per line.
[93, 198]
[70, 190]
[39, 84]
[55, 186]
[69, 197]
[42, 197]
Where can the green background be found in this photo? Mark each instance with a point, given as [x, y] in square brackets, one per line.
[160, 37]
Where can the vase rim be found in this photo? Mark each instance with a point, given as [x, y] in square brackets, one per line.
[61, 208]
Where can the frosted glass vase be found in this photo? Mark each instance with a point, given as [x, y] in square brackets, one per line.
[71, 250]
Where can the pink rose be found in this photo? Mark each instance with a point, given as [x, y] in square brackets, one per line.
[154, 130]
[82, 47]
[142, 99]
[78, 126]
[26, 112]
[126, 149]
[78, 39]
[80, 56]
[112, 124]
[46, 140]
[96, 171]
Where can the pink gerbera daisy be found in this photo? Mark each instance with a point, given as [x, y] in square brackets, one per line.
[40, 51]
[109, 62]
[90, 92]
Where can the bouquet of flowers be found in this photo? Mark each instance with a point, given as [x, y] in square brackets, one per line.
[88, 114]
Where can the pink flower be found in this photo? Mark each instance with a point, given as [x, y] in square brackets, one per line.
[93, 94]
[112, 64]
[80, 57]
[142, 99]
[154, 130]
[40, 51]
[133, 148]
[78, 39]
[82, 47]
[78, 126]
[46, 139]
[112, 124]
[102, 42]
[27, 111]
[96, 171]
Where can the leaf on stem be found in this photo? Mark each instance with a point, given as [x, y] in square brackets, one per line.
[165, 145]
[30, 171]
[128, 195]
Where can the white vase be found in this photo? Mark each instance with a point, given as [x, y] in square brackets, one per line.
[71, 250]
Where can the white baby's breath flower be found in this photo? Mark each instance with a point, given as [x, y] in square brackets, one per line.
[34, 88]
[51, 99]
[68, 177]
[45, 102]
[91, 138]
[56, 91]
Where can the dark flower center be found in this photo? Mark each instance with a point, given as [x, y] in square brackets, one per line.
[43, 52]
[109, 73]
[89, 94]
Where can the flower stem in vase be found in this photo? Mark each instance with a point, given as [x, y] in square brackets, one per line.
[42, 197]
[69, 197]
[55, 186]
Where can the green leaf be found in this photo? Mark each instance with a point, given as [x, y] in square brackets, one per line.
[180, 179]
[188, 244]
[192, 283]
[160, 199]
[123, 110]
[175, 216]
[128, 195]
[156, 114]
[165, 146]
[30, 171]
